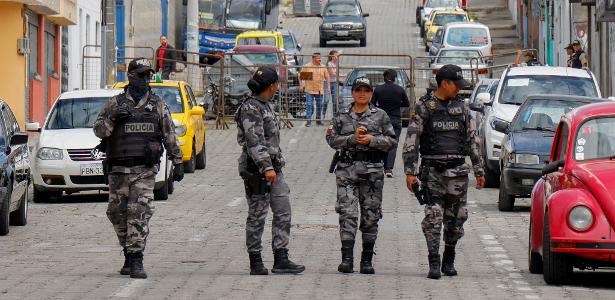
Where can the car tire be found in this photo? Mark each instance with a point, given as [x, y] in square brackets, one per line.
[534, 259]
[4, 212]
[404, 123]
[171, 184]
[506, 202]
[363, 42]
[190, 166]
[556, 267]
[201, 159]
[323, 43]
[20, 216]
[43, 196]
[162, 193]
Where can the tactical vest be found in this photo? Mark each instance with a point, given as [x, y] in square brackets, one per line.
[576, 60]
[136, 137]
[444, 131]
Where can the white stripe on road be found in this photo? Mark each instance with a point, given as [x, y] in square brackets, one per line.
[235, 201]
[128, 289]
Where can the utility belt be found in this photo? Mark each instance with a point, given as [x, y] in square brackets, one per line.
[127, 162]
[373, 156]
[443, 165]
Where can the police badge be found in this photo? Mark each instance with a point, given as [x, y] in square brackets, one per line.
[432, 105]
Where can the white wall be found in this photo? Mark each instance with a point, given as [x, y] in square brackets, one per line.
[78, 37]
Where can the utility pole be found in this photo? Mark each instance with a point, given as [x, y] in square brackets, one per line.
[107, 49]
[192, 38]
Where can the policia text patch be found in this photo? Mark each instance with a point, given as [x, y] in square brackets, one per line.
[139, 127]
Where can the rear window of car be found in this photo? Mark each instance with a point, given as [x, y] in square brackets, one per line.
[543, 114]
[442, 3]
[341, 10]
[443, 19]
[461, 57]
[76, 113]
[257, 59]
[268, 41]
[171, 96]
[516, 88]
[289, 42]
[467, 37]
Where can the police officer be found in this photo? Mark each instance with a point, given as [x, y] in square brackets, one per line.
[134, 125]
[444, 133]
[362, 135]
[260, 166]
[579, 58]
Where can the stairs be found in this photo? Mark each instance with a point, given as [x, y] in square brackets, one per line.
[501, 24]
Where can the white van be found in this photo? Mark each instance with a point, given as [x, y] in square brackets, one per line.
[462, 35]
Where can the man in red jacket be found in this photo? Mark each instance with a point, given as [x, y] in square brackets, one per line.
[165, 56]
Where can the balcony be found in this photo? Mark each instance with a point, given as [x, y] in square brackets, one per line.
[43, 7]
[67, 15]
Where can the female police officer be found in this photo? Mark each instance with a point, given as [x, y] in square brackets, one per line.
[362, 135]
[260, 166]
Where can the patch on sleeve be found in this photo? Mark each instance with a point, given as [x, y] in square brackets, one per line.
[432, 104]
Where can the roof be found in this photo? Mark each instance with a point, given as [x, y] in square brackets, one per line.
[466, 24]
[592, 110]
[255, 48]
[90, 93]
[550, 71]
[451, 12]
[153, 83]
[258, 33]
[565, 98]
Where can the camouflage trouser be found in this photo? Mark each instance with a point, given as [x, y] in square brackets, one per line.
[258, 207]
[448, 193]
[131, 198]
[354, 191]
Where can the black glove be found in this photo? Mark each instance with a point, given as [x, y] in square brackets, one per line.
[121, 112]
[178, 172]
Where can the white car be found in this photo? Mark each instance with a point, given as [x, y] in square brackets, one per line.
[463, 35]
[516, 83]
[64, 158]
[472, 64]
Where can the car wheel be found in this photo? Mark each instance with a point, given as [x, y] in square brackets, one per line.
[190, 165]
[171, 185]
[363, 42]
[201, 160]
[162, 193]
[4, 211]
[556, 267]
[43, 196]
[404, 123]
[20, 216]
[506, 202]
[323, 43]
[534, 259]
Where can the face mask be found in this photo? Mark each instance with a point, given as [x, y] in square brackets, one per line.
[138, 81]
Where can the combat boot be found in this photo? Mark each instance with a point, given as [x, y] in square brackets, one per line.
[136, 265]
[434, 266]
[281, 263]
[256, 264]
[448, 261]
[347, 257]
[126, 268]
[366, 259]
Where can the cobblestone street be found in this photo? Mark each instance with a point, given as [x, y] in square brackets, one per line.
[196, 248]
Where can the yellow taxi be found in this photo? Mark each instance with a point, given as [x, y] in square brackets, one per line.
[260, 37]
[188, 118]
[439, 18]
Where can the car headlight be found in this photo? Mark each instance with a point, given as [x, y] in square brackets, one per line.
[580, 218]
[524, 158]
[181, 130]
[50, 154]
[327, 26]
[357, 26]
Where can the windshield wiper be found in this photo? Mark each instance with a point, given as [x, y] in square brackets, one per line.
[540, 128]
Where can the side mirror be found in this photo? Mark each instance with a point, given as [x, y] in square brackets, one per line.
[552, 167]
[19, 138]
[33, 127]
[299, 46]
[197, 110]
[483, 99]
[500, 126]
[319, 15]
[427, 24]
[365, 15]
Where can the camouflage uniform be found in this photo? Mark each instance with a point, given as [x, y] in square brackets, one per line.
[131, 189]
[448, 187]
[360, 183]
[259, 136]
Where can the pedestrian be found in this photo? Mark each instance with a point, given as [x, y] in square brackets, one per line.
[579, 58]
[135, 125]
[165, 58]
[260, 167]
[443, 131]
[312, 78]
[569, 52]
[529, 59]
[331, 83]
[362, 135]
[391, 97]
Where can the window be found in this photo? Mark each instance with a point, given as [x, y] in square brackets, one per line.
[467, 37]
[9, 118]
[171, 97]
[562, 142]
[50, 48]
[87, 29]
[190, 97]
[97, 33]
[76, 113]
[33, 56]
[594, 138]
[438, 38]
[516, 88]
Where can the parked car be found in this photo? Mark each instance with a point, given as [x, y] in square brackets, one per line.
[66, 160]
[292, 48]
[439, 18]
[515, 85]
[573, 211]
[375, 75]
[432, 5]
[527, 143]
[485, 85]
[462, 35]
[469, 60]
[14, 171]
[260, 37]
[343, 20]
[188, 118]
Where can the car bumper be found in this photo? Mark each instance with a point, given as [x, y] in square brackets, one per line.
[520, 181]
[342, 35]
[185, 144]
[493, 165]
[595, 250]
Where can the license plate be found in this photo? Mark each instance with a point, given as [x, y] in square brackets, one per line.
[342, 33]
[527, 181]
[91, 170]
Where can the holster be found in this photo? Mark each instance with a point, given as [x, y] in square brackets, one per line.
[424, 187]
[333, 165]
[153, 151]
[254, 182]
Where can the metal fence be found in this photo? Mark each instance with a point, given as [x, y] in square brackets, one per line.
[91, 63]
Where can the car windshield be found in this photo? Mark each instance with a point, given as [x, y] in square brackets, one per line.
[245, 10]
[542, 114]
[516, 88]
[341, 9]
[376, 77]
[594, 139]
[467, 37]
[76, 113]
[443, 19]
[171, 96]
[459, 57]
[211, 14]
[442, 3]
[289, 43]
[267, 41]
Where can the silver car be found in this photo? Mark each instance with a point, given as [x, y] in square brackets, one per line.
[470, 61]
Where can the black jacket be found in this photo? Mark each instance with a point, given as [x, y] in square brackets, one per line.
[167, 66]
[390, 97]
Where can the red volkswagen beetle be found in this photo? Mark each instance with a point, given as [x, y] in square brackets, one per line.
[573, 204]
